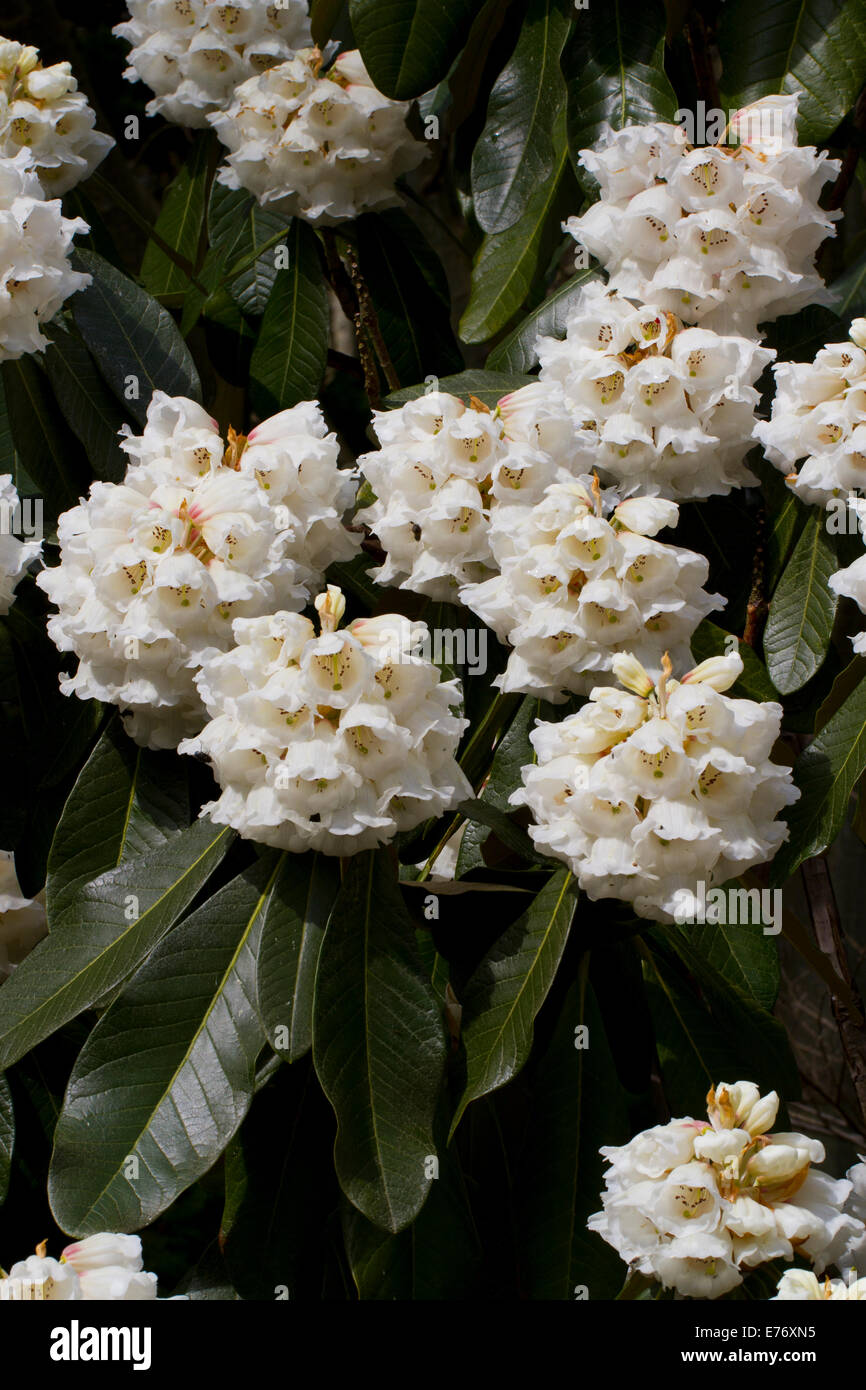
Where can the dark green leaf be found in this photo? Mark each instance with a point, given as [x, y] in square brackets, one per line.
[7, 1135]
[505, 992]
[100, 945]
[614, 67]
[303, 896]
[291, 352]
[517, 353]
[816, 48]
[577, 1106]
[826, 773]
[379, 1045]
[409, 45]
[50, 453]
[800, 621]
[131, 337]
[513, 753]
[139, 1124]
[240, 228]
[179, 224]
[515, 152]
[89, 407]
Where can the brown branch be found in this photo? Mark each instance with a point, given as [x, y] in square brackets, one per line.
[702, 62]
[758, 605]
[349, 301]
[828, 934]
[370, 319]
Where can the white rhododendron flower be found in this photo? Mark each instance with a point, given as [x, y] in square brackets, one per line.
[798, 1285]
[442, 466]
[724, 235]
[101, 1268]
[816, 433]
[22, 920]
[43, 113]
[322, 146]
[650, 791]
[35, 243]
[695, 1204]
[154, 569]
[654, 404]
[15, 554]
[194, 53]
[850, 582]
[575, 588]
[333, 742]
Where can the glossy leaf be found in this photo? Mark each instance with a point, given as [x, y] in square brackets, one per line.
[179, 224]
[409, 45]
[517, 353]
[379, 1045]
[134, 340]
[88, 406]
[164, 1113]
[505, 992]
[800, 621]
[303, 897]
[291, 351]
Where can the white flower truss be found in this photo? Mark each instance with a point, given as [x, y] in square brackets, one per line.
[154, 569]
[15, 554]
[850, 582]
[818, 421]
[655, 405]
[724, 235]
[798, 1285]
[575, 588]
[43, 112]
[101, 1268]
[35, 243]
[695, 1204]
[194, 53]
[643, 794]
[22, 920]
[333, 742]
[322, 146]
[440, 468]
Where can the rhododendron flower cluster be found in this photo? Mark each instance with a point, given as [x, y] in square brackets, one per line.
[15, 554]
[647, 792]
[35, 244]
[103, 1267]
[325, 146]
[334, 741]
[724, 235]
[442, 466]
[816, 433]
[194, 53]
[154, 569]
[575, 588]
[43, 112]
[798, 1285]
[696, 1203]
[850, 582]
[654, 404]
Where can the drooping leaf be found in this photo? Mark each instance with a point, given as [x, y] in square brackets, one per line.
[515, 152]
[513, 753]
[614, 68]
[505, 992]
[800, 621]
[826, 773]
[409, 45]
[517, 353]
[291, 351]
[134, 340]
[164, 1113]
[179, 224]
[244, 237]
[115, 921]
[577, 1106]
[815, 48]
[303, 896]
[379, 1045]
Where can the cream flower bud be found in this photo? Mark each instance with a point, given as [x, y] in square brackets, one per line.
[631, 674]
[330, 607]
[322, 146]
[104, 1250]
[857, 332]
[718, 672]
